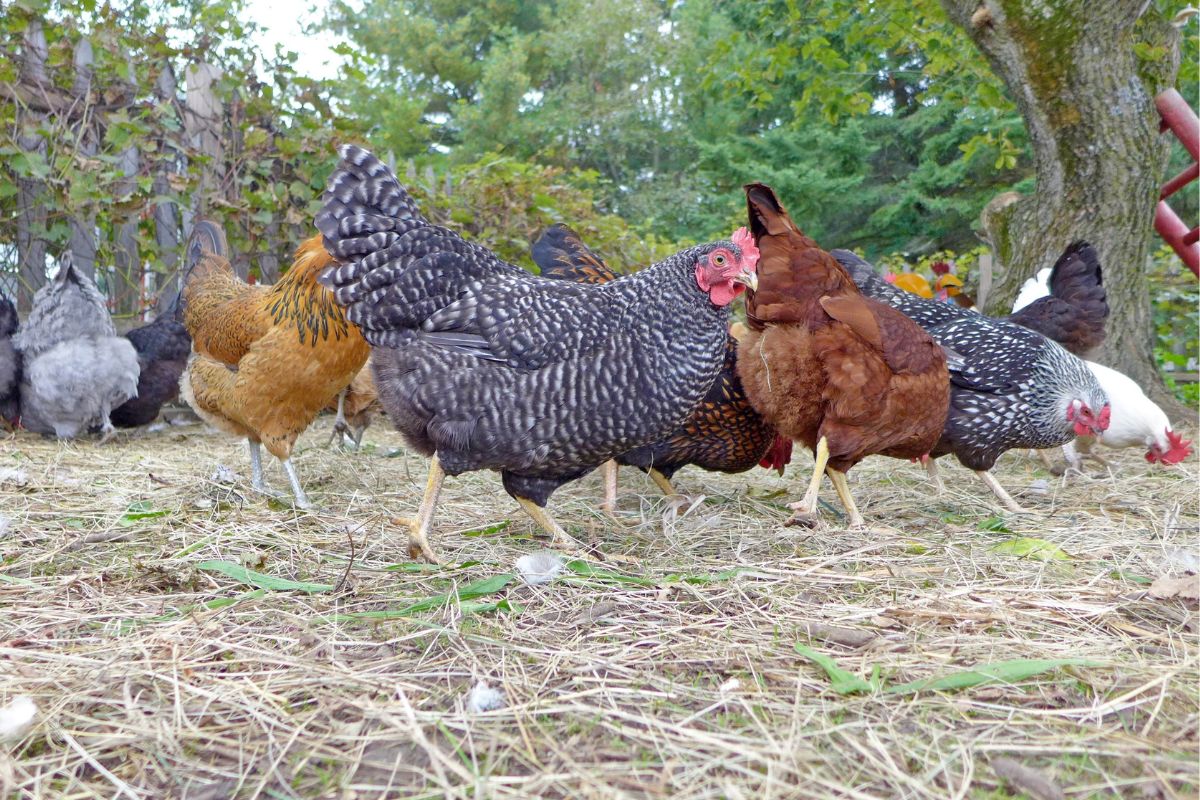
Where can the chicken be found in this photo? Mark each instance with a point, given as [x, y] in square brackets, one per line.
[356, 406]
[482, 365]
[845, 375]
[910, 282]
[162, 349]
[10, 365]
[1066, 302]
[266, 359]
[1010, 387]
[723, 434]
[76, 370]
[1136, 421]
[73, 386]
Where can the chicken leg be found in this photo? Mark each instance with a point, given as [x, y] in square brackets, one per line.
[998, 490]
[663, 482]
[294, 480]
[806, 509]
[935, 477]
[609, 506]
[418, 536]
[538, 514]
[843, 489]
[256, 470]
[340, 426]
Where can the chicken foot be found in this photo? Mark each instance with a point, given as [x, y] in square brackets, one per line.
[418, 527]
[998, 490]
[294, 480]
[259, 483]
[935, 477]
[341, 427]
[806, 509]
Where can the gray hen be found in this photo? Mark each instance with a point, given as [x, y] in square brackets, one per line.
[76, 368]
[74, 386]
[67, 307]
[10, 364]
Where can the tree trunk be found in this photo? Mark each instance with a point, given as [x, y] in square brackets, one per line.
[166, 214]
[1084, 76]
[31, 205]
[83, 223]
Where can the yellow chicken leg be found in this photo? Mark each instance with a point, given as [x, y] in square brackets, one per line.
[547, 523]
[418, 536]
[806, 509]
[609, 506]
[663, 482]
[838, 479]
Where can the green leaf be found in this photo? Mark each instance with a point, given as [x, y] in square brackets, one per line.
[489, 530]
[248, 576]
[142, 509]
[1006, 672]
[995, 524]
[469, 591]
[208, 605]
[586, 570]
[1026, 547]
[840, 680]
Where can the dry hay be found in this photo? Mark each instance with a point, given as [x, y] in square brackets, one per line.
[662, 688]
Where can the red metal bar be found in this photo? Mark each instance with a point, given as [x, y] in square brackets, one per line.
[1179, 117]
[1179, 181]
[1192, 237]
[1175, 233]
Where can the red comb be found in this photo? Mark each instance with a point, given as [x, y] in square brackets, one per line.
[745, 242]
[939, 267]
[1180, 448]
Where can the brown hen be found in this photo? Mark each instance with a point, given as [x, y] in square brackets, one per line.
[266, 359]
[845, 375]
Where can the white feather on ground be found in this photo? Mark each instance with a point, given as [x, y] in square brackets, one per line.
[484, 698]
[17, 717]
[76, 384]
[540, 567]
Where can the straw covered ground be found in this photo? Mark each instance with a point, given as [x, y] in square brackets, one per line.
[142, 611]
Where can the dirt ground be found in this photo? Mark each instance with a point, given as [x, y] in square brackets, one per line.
[142, 611]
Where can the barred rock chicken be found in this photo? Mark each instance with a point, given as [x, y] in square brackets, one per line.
[76, 369]
[266, 359]
[10, 365]
[1010, 387]
[1066, 302]
[844, 374]
[723, 434]
[162, 349]
[482, 365]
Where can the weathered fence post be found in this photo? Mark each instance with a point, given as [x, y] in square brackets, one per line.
[202, 118]
[166, 214]
[124, 296]
[31, 208]
[83, 224]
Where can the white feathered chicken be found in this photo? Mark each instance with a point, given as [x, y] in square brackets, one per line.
[76, 368]
[1136, 421]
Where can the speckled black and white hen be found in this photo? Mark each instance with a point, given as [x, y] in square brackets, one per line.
[1010, 387]
[485, 366]
[722, 434]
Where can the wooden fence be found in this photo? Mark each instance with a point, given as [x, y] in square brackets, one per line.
[129, 241]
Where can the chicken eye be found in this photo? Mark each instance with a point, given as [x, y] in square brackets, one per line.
[719, 260]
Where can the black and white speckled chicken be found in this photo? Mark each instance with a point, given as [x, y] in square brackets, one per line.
[482, 365]
[723, 434]
[1010, 387]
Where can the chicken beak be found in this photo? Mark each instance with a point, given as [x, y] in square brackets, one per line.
[748, 278]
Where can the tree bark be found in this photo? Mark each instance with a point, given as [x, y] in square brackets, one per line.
[83, 223]
[1084, 75]
[166, 214]
[31, 206]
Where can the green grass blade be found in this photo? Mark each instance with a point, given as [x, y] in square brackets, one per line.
[1014, 671]
[467, 592]
[840, 680]
[251, 578]
[585, 570]
[1028, 547]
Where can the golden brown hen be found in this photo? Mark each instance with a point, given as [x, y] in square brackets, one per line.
[845, 375]
[266, 359]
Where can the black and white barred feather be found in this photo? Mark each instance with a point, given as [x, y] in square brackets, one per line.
[494, 368]
[1009, 386]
